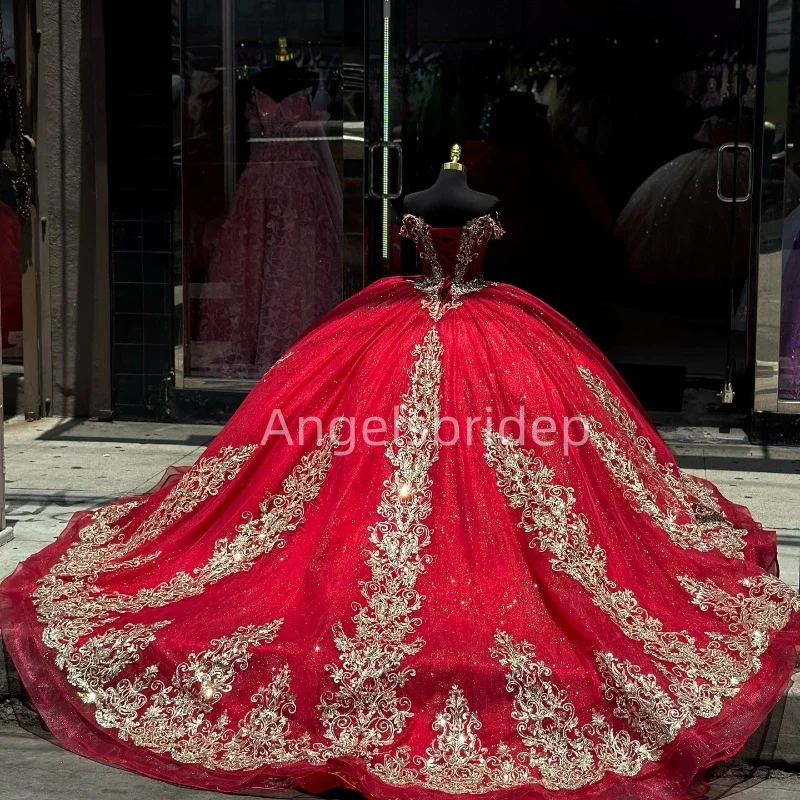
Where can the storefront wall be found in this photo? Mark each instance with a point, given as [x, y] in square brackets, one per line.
[619, 209]
[64, 244]
[209, 274]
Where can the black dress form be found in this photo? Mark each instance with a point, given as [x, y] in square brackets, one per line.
[282, 79]
[450, 203]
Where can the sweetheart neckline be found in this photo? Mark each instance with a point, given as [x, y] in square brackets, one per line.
[447, 227]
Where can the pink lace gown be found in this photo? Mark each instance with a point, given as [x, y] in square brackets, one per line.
[409, 613]
[277, 266]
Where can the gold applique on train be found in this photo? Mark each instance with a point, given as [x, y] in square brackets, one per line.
[558, 752]
[175, 716]
[73, 615]
[699, 677]
[366, 712]
[685, 509]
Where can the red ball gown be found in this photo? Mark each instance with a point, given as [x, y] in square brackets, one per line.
[416, 614]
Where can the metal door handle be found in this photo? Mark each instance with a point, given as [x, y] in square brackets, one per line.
[385, 193]
[748, 148]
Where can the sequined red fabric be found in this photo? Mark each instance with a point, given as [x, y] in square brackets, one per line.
[498, 616]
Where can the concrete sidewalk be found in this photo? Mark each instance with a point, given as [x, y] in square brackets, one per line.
[57, 467]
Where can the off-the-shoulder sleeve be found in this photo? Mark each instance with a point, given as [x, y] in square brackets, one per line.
[413, 227]
[497, 229]
[405, 227]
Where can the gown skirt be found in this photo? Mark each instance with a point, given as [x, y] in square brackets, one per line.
[419, 597]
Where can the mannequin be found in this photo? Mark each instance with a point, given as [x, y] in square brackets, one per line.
[450, 203]
[284, 77]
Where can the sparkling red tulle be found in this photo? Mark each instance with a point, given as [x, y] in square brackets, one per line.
[501, 350]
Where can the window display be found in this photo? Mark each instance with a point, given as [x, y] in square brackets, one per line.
[261, 167]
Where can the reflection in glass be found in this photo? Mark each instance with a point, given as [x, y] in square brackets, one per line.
[593, 125]
[789, 376]
[262, 198]
[10, 236]
[789, 385]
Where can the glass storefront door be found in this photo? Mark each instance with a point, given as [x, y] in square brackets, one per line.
[268, 137]
[777, 318]
[785, 19]
[619, 140]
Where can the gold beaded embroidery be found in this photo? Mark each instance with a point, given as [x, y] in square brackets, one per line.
[699, 677]
[564, 754]
[175, 717]
[69, 618]
[100, 544]
[456, 762]
[473, 235]
[100, 659]
[366, 711]
[419, 232]
[202, 481]
[704, 527]
[640, 699]
[560, 754]
[768, 605]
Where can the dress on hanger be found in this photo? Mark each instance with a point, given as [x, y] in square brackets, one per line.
[495, 616]
[277, 265]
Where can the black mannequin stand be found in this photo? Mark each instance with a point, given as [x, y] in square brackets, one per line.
[450, 203]
[284, 77]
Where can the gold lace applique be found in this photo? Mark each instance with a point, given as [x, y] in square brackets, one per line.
[419, 232]
[366, 712]
[640, 699]
[100, 659]
[175, 717]
[100, 545]
[456, 762]
[564, 754]
[767, 606]
[473, 235]
[82, 559]
[560, 754]
[705, 527]
[76, 615]
[699, 677]
[202, 481]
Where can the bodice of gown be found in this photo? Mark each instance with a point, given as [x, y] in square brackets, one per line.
[288, 127]
[285, 118]
[452, 255]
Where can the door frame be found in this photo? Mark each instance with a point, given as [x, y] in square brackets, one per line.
[34, 251]
[776, 22]
[354, 67]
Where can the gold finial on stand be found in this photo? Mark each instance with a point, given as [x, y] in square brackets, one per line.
[282, 53]
[455, 155]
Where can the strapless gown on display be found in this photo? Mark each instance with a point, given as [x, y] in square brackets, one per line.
[464, 605]
[277, 264]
